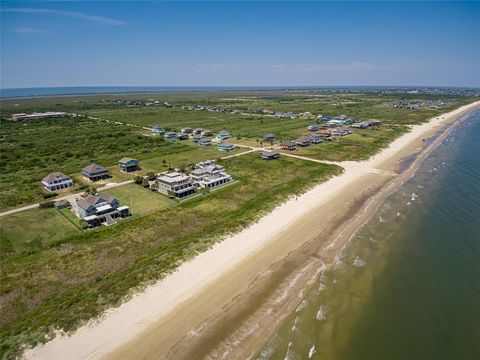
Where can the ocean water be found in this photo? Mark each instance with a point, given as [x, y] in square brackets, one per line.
[408, 286]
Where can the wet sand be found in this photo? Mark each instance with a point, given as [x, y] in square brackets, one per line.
[228, 301]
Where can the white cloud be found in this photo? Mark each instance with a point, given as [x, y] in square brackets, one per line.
[71, 14]
[28, 30]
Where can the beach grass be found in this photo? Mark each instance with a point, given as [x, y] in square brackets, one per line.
[66, 282]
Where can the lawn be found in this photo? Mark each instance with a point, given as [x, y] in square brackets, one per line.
[29, 231]
[140, 200]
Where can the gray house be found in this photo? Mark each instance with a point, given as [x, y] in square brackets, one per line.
[102, 208]
[57, 181]
[94, 172]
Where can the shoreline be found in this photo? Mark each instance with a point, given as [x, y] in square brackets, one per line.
[212, 284]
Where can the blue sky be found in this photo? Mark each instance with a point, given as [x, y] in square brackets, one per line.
[239, 43]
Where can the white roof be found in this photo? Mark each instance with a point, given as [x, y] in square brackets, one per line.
[104, 207]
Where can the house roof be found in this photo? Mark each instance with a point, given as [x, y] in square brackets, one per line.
[288, 143]
[94, 168]
[225, 144]
[126, 160]
[92, 200]
[54, 175]
[270, 153]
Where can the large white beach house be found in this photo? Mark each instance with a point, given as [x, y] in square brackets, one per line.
[175, 184]
[208, 174]
[57, 181]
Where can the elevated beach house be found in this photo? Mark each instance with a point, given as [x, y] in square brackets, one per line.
[208, 174]
[182, 136]
[94, 172]
[204, 142]
[303, 141]
[315, 138]
[270, 155]
[128, 164]
[269, 137]
[313, 127]
[158, 129]
[175, 184]
[170, 135]
[222, 135]
[57, 181]
[288, 145]
[197, 131]
[187, 130]
[223, 146]
[101, 208]
[207, 132]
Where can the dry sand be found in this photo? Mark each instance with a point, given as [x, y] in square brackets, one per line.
[201, 307]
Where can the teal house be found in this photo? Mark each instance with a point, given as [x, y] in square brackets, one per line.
[128, 164]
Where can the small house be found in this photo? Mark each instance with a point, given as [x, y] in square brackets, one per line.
[207, 133]
[94, 172]
[128, 164]
[269, 137]
[313, 127]
[197, 131]
[157, 129]
[181, 136]
[288, 145]
[222, 135]
[57, 181]
[170, 135]
[196, 137]
[204, 142]
[225, 146]
[316, 138]
[270, 155]
[187, 130]
[303, 141]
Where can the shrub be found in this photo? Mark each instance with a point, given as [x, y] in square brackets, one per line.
[46, 205]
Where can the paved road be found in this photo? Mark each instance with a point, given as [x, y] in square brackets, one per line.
[71, 198]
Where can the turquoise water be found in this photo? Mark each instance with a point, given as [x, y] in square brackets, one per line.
[408, 287]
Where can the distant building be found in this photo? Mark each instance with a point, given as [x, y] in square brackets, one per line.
[94, 172]
[207, 133]
[315, 138]
[303, 141]
[196, 137]
[170, 135]
[182, 136]
[270, 155]
[57, 181]
[269, 137]
[204, 142]
[128, 164]
[102, 208]
[175, 184]
[222, 135]
[225, 146]
[157, 129]
[197, 131]
[208, 174]
[187, 130]
[313, 127]
[288, 145]
[37, 116]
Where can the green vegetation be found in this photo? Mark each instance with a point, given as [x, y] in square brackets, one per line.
[29, 231]
[30, 151]
[140, 200]
[62, 284]
[56, 275]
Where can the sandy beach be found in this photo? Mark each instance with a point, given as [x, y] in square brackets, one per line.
[213, 304]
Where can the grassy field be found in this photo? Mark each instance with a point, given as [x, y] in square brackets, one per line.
[29, 231]
[140, 200]
[62, 284]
